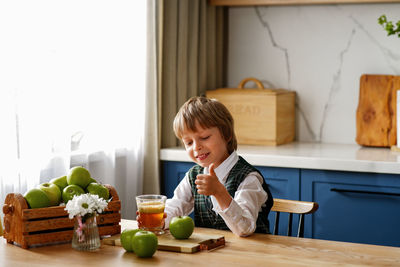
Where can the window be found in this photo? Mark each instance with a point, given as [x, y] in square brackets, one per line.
[72, 80]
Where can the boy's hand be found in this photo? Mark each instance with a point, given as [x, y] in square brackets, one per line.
[139, 221]
[208, 184]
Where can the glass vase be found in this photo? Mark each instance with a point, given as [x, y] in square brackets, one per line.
[86, 233]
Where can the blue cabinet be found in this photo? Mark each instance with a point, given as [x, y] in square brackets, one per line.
[354, 207]
[173, 172]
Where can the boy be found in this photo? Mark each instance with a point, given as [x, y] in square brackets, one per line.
[224, 190]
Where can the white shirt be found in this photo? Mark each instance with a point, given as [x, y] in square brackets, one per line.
[242, 213]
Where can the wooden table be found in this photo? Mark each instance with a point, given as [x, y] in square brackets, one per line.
[256, 250]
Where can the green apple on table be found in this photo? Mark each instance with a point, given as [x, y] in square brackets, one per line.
[144, 244]
[126, 238]
[79, 176]
[52, 191]
[181, 227]
[36, 198]
[61, 182]
[98, 189]
[70, 191]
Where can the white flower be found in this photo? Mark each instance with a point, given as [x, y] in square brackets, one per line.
[85, 204]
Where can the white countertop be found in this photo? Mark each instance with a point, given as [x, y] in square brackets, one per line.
[340, 157]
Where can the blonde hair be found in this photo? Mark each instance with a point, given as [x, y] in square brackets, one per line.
[208, 113]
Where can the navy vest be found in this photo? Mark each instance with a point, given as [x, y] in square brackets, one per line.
[204, 216]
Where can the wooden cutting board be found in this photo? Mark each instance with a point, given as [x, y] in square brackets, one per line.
[194, 243]
[376, 111]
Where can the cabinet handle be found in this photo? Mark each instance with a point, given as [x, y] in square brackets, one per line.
[364, 192]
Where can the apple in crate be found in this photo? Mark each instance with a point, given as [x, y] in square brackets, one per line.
[53, 193]
[61, 182]
[78, 176]
[36, 198]
[70, 191]
[98, 189]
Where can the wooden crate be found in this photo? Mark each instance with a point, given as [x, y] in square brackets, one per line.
[27, 227]
[261, 116]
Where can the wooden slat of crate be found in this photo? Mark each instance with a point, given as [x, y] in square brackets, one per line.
[59, 236]
[28, 214]
[66, 236]
[65, 222]
[108, 218]
[59, 211]
[50, 224]
[114, 206]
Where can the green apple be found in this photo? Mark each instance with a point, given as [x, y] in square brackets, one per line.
[98, 189]
[52, 191]
[70, 191]
[36, 198]
[92, 180]
[144, 244]
[78, 176]
[61, 182]
[126, 238]
[181, 227]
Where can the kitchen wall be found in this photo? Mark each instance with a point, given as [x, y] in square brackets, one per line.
[319, 51]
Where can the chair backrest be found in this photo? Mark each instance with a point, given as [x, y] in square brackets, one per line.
[292, 207]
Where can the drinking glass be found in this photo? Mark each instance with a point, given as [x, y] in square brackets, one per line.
[151, 212]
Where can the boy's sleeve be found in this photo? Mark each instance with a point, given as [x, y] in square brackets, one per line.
[241, 215]
[181, 203]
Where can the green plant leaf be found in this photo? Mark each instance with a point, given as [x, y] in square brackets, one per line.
[389, 26]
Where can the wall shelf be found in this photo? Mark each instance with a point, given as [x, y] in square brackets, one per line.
[293, 2]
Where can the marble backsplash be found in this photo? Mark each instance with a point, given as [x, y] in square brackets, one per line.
[319, 51]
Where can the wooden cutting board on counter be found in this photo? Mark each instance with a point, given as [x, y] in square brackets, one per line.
[194, 243]
[376, 111]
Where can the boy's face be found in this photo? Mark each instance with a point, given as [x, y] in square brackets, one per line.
[205, 146]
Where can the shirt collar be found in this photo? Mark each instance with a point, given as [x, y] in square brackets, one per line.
[225, 167]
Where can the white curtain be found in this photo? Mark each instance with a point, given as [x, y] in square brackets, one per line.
[72, 92]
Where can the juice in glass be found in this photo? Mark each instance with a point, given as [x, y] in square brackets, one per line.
[151, 212]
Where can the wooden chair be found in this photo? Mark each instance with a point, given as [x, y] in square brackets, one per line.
[292, 207]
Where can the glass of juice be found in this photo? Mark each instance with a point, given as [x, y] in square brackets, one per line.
[151, 212]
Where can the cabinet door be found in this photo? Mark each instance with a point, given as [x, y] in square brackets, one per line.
[354, 207]
[173, 172]
[283, 183]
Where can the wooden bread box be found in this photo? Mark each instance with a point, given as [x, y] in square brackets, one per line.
[261, 116]
[43, 226]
